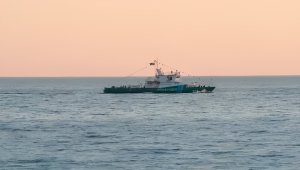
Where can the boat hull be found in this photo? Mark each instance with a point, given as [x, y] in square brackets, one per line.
[173, 89]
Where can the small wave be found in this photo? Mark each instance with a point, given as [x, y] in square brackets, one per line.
[14, 93]
[36, 93]
[98, 136]
[104, 142]
[296, 145]
[278, 120]
[16, 129]
[102, 114]
[63, 141]
[152, 103]
[31, 161]
[221, 152]
[153, 151]
[163, 151]
[269, 155]
[258, 131]
[201, 120]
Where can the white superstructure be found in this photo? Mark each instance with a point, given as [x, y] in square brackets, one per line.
[161, 79]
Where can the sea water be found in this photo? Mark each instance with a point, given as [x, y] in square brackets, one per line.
[68, 123]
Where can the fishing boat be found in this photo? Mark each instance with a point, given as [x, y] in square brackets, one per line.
[162, 83]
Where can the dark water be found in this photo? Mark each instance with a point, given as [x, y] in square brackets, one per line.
[67, 123]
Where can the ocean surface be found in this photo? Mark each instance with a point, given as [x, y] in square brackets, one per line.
[248, 123]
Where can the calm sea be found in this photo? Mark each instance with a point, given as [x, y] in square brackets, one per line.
[67, 123]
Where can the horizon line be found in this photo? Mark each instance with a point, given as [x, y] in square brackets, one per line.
[78, 76]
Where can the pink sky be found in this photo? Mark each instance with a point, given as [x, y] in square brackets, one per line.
[117, 37]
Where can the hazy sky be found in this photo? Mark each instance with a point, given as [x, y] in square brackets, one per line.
[117, 37]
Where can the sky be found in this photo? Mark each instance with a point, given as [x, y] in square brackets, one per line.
[118, 37]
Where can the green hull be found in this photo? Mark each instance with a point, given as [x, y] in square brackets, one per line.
[174, 89]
